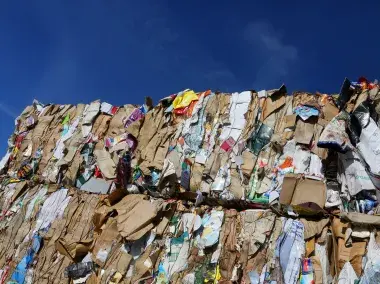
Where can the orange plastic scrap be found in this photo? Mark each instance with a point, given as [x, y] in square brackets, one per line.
[181, 141]
[181, 111]
[288, 163]
[363, 83]
[191, 107]
[324, 99]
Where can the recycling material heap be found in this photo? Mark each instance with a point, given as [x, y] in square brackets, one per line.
[208, 187]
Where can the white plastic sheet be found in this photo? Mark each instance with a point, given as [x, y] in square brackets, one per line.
[354, 177]
[315, 167]
[212, 224]
[301, 160]
[238, 107]
[321, 253]
[348, 275]
[53, 208]
[372, 268]
[4, 160]
[89, 115]
[290, 249]
[180, 263]
[369, 146]
[39, 196]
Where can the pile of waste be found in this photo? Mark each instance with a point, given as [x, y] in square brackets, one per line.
[209, 187]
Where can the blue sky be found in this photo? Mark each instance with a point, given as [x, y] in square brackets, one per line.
[120, 51]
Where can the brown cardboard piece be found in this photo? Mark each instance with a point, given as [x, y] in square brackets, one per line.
[228, 241]
[136, 215]
[322, 239]
[304, 132]
[359, 218]
[278, 142]
[338, 227]
[153, 122]
[272, 104]
[333, 254]
[290, 121]
[20, 188]
[288, 186]
[75, 226]
[362, 98]
[321, 152]
[134, 127]
[313, 228]
[118, 261]
[309, 190]
[303, 98]
[353, 254]
[196, 176]
[317, 268]
[310, 247]
[250, 116]
[104, 161]
[330, 111]
[74, 250]
[322, 122]
[116, 126]
[235, 187]
[167, 215]
[109, 235]
[249, 161]
[145, 264]
[296, 190]
[288, 135]
[100, 126]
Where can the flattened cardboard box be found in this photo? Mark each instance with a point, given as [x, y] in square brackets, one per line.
[297, 190]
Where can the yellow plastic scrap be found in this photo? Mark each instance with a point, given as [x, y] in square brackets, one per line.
[15, 151]
[215, 276]
[218, 276]
[185, 100]
[116, 278]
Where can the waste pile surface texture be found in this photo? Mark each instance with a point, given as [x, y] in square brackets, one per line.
[201, 187]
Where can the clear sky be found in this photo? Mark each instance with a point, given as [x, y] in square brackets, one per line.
[120, 51]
